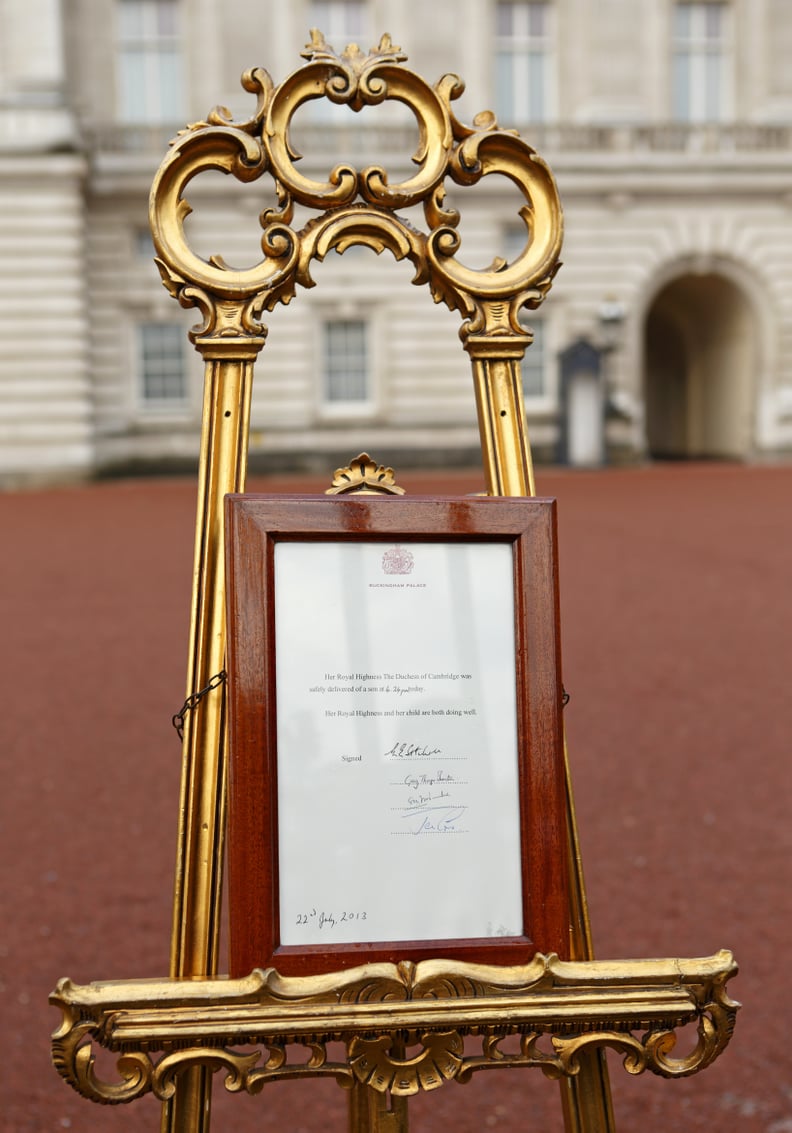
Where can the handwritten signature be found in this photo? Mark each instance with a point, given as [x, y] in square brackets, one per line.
[422, 800]
[411, 751]
[438, 820]
[416, 781]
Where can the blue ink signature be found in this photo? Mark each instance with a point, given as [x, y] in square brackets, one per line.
[437, 820]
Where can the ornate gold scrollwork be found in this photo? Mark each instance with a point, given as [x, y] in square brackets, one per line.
[394, 1020]
[376, 1064]
[364, 475]
[357, 204]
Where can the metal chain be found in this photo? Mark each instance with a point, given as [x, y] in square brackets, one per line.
[178, 720]
[564, 697]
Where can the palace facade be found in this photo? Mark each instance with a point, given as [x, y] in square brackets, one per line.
[668, 330]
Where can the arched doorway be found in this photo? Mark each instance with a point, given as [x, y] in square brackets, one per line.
[700, 350]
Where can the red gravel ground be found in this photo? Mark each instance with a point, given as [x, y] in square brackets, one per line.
[677, 635]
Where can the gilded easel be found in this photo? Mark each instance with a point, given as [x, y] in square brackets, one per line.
[565, 1012]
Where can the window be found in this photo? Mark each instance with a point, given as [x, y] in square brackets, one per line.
[700, 70]
[341, 22]
[161, 364]
[345, 363]
[150, 79]
[522, 62]
[535, 360]
[144, 245]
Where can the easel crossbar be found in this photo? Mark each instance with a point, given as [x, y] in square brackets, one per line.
[576, 1005]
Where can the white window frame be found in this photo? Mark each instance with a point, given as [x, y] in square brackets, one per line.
[702, 63]
[543, 345]
[535, 359]
[336, 409]
[143, 245]
[341, 22]
[144, 56]
[177, 403]
[527, 92]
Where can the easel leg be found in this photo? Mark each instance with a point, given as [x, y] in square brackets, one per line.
[586, 1098]
[199, 867]
[506, 453]
[190, 1106]
[369, 1111]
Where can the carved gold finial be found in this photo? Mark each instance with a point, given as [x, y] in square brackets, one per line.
[364, 477]
[319, 50]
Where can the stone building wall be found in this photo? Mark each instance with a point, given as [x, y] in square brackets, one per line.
[677, 260]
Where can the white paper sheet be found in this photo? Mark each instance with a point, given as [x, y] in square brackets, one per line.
[397, 752]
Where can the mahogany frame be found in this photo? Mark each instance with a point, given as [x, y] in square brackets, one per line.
[254, 523]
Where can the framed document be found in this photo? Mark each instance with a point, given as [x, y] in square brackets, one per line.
[396, 754]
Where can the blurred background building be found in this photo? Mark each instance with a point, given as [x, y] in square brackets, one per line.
[668, 332]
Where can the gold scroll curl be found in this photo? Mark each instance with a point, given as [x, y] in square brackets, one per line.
[360, 80]
[357, 205]
[228, 150]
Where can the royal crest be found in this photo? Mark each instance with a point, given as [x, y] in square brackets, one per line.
[397, 560]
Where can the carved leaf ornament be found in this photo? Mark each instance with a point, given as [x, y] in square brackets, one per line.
[356, 206]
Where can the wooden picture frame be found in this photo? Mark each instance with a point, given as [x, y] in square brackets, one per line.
[395, 736]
